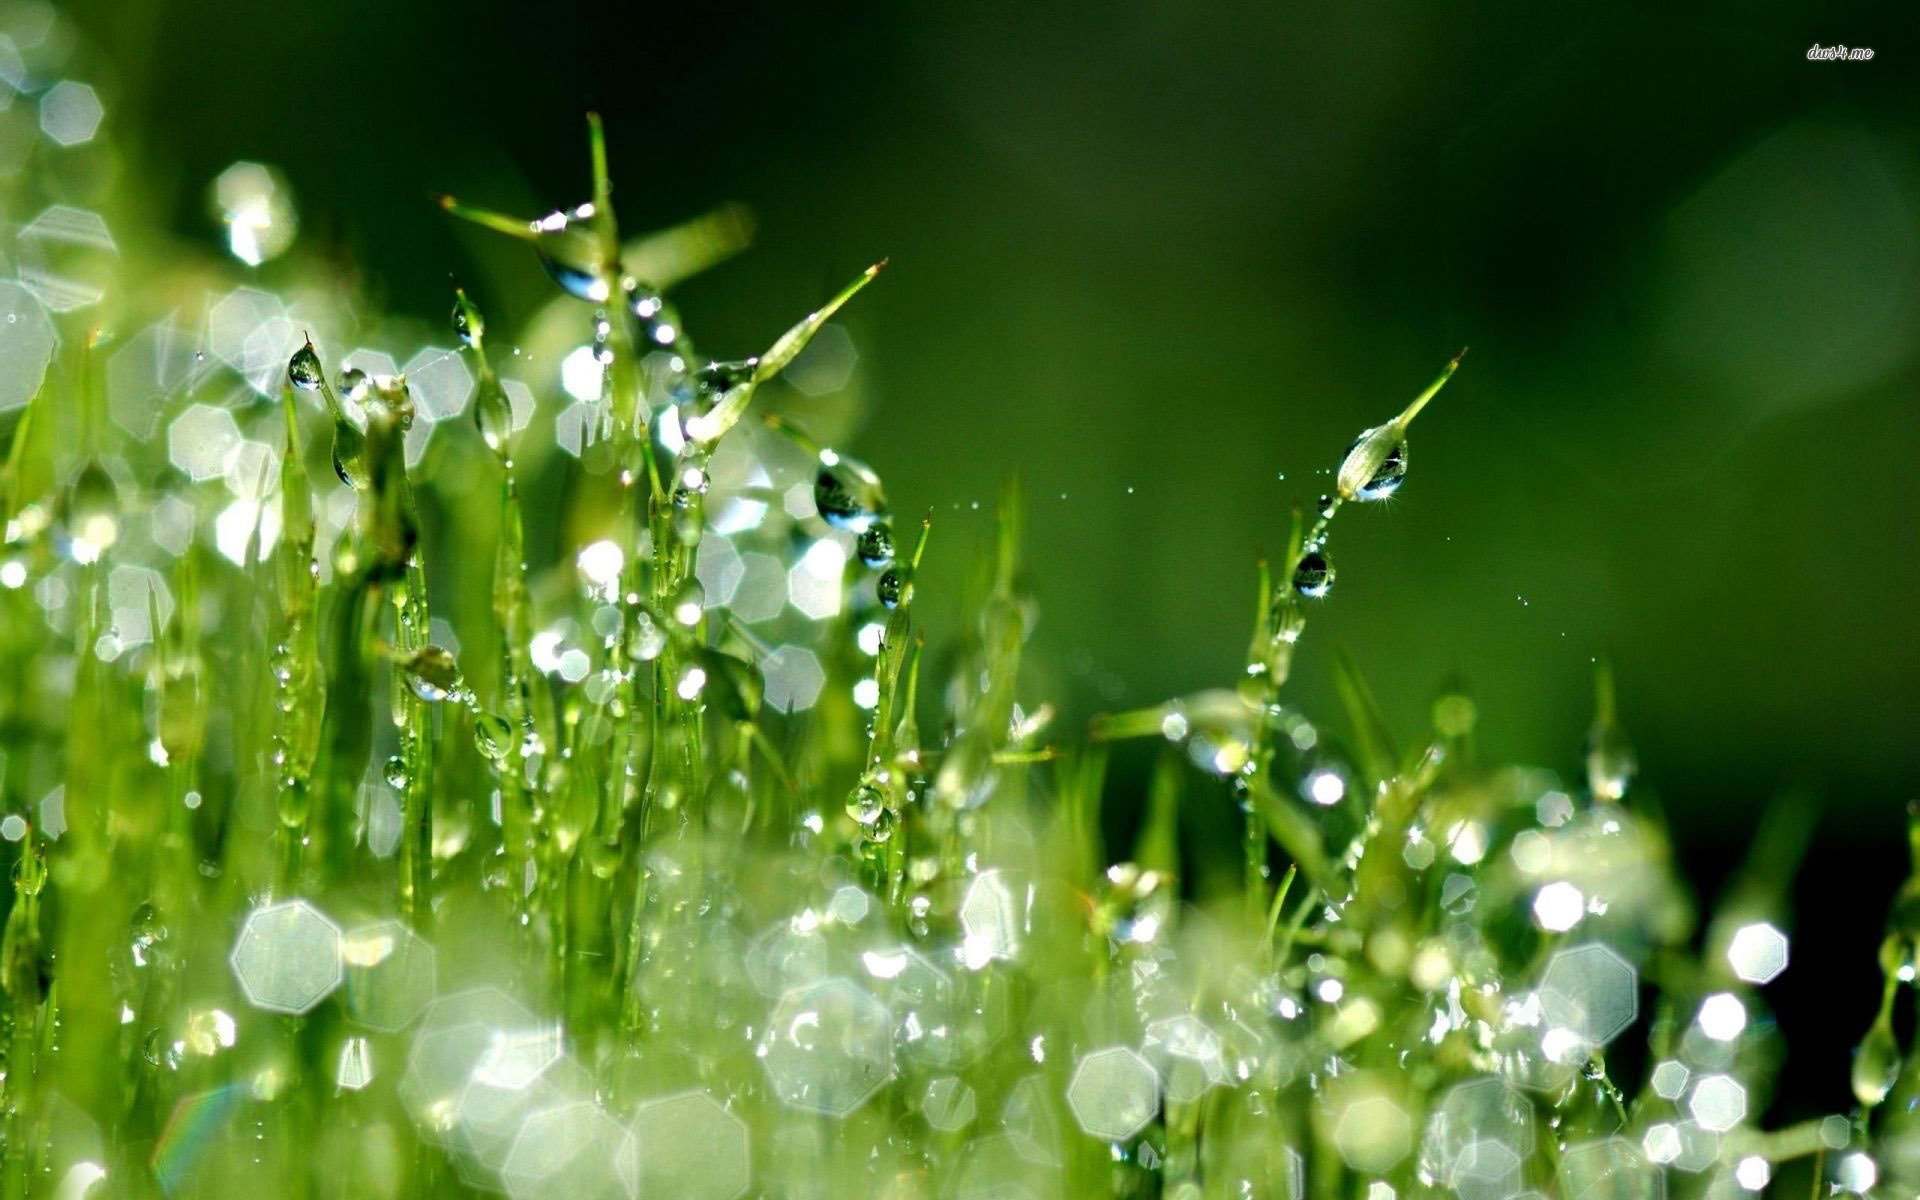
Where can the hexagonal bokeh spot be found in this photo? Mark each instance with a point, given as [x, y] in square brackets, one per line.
[1472, 1115]
[794, 678]
[70, 112]
[815, 582]
[949, 1104]
[391, 972]
[153, 365]
[825, 365]
[1114, 1093]
[1757, 953]
[249, 330]
[256, 205]
[455, 1036]
[27, 340]
[789, 955]
[570, 1150]
[761, 591]
[689, 1147]
[829, 1047]
[441, 383]
[200, 439]
[1591, 992]
[1032, 1121]
[1718, 1103]
[67, 257]
[1370, 1131]
[990, 918]
[1190, 1056]
[1001, 1168]
[287, 957]
[1486, 1170]
[1609, 1168]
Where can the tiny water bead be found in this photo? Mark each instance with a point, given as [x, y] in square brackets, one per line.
[875, 545]
[893, 587]
[1313, 575]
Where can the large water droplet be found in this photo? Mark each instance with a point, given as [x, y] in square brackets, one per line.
[1875, 1064]
[1313, 577]
[1386, 477]
[350, 455]
[847, 493]
[303, 369]
[432, 673]
[579, 282]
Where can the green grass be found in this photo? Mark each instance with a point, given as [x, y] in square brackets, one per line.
[634, 888]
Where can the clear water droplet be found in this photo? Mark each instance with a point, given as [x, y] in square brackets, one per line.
[875, 545]
[93, 512]
[1387, 476]
[396, 773]
[468, 325]
[893, 588]
[847, 493]
[866, 803]
[492, 735]
[432, 673]
[1875, 1064]
[1313, 577]
[304, 370]
[355, 385]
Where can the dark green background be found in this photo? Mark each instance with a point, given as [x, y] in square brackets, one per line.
[1183, 248]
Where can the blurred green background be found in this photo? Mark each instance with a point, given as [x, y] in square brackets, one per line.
[1163, 260]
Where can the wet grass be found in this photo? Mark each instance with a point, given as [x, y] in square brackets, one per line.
[363, 845]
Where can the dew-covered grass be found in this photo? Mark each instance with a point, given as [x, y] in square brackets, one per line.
[378, 829]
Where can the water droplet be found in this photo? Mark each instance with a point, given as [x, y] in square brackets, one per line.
[1391, 471]
[1313, 577]
[93, 513]
[1325, 505]
[493, 735]
[659, 324]
[493, 416]
[355, 385]
[350, 455]
[847, 493]
[432, 673]
[893, 588]
[397, 776]
[304, 370]
[866, 803]
[875, 545]
[468, 325]
[582, 283]
[1875, 1064]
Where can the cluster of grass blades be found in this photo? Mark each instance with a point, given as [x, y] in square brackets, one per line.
[364, 844]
